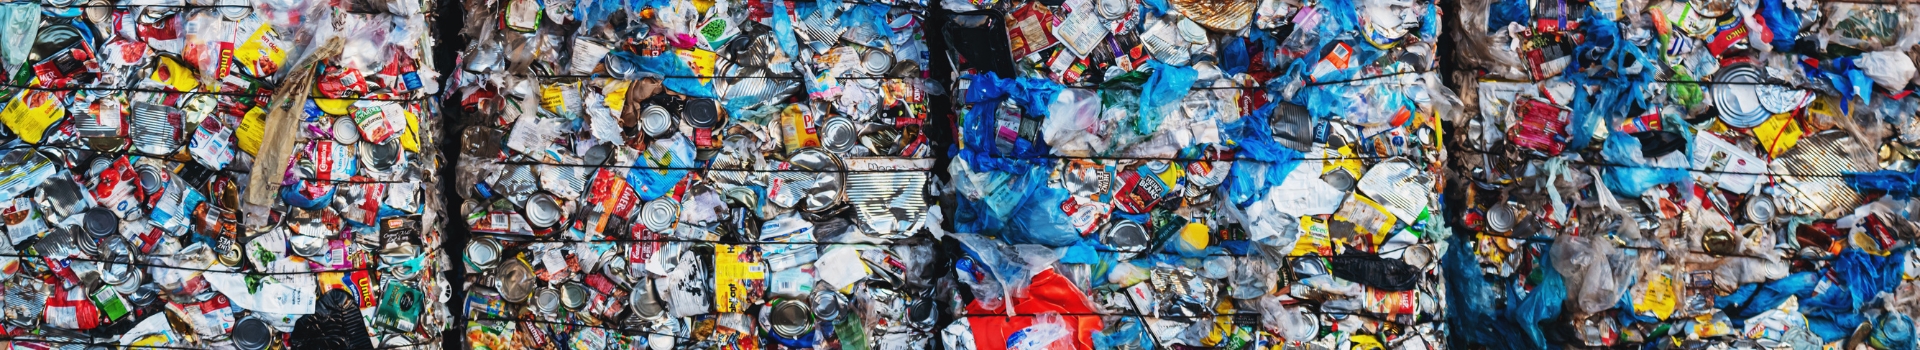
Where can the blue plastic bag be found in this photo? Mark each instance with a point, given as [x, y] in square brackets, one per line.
[1167, 87]
[1630, 178]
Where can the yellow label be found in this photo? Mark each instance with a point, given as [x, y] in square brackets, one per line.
[1173, 174]
[1195, 235]
[701, 61]
[553, 97]
[733, 266]
[1313, 238]
[1366, 342]
[259, 55]
[30, 112]
[1778, 133]
[175, 74]
[407, 139]
[617, 97]
[252, 127]
[1659, 298]
[1348, 160]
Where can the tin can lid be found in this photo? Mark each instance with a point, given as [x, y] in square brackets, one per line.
[1125, 235]
[345, 131]
[514, 280]
[99, 222]
[542, 210]
[877, 62]
[790, 318]
[659, 215]
[826, 305]
[702, 113]
[838, 134]
[483, 253]
[644, 303]
[379, 158]
[151, 179]
[546, 300]
[251, 333]
[656, 121]
[1760, 208]
[1500, 217]
[1738, 98]
[574, 295]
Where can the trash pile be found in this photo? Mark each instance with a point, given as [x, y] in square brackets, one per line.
[218, 174]
[1199, 174]
[1685, 174]
[697, 174]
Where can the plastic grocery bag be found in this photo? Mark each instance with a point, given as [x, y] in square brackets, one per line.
[1048, 332]
[1630, 174]
[1590, 278]
[1038, 219]
[1542, 304]
[1168, 85]
[1858, 278]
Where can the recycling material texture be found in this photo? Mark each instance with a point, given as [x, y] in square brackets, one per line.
[959, 174]
[147, 204]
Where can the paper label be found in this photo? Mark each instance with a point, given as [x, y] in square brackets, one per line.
[736, 272]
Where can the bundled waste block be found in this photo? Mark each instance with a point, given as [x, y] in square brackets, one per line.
[663, 174]
[1684, 174]
[1197, 174]
[219, 174]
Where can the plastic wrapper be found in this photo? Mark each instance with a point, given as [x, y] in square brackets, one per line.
[1229, 174]
[699, 174]
[1682, 174]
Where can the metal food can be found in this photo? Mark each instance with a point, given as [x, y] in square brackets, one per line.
[705, 116]
[790, 318]
[826, 304]
[659, 215]
[643, 301]
[1501, 217]
[483, 253]
[877, 62]
[380, 158]
[547, 301]
[1760, 208]
[542, 210]
[574, 296]
[99, 222]
[252, 333]
[1126, 236]
[656, 121]
[514, 279]
[345, 131]
[838, 135]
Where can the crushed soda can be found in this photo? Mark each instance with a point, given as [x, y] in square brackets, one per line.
[130, 129]
[1201, 174]
[1712, 175]
[688, 174]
